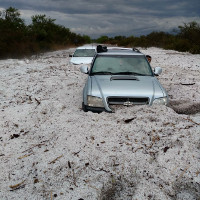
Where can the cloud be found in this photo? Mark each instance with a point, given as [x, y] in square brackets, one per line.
[113, 17]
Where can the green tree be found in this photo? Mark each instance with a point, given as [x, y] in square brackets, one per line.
[86, 39]
[12, 31]
[49, 35]
[41, 27]
[12, 16]
[103, 39]
[190, 31]
[189, 37]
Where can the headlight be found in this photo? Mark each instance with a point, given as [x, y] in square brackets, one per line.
[161, 101]
[95, 101]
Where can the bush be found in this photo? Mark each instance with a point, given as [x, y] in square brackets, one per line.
[187, 38]
[43, 34]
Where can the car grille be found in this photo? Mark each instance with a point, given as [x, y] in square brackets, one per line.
[127, 101]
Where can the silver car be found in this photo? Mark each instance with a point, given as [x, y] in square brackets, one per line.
[121, 77]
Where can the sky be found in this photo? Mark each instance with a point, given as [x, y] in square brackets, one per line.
[111, 17]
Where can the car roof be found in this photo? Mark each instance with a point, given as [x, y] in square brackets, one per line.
[120, 51]
[87, 47]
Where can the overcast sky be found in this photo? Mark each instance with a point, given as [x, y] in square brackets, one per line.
[111, 17]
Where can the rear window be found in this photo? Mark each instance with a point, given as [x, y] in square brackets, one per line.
[84, 53]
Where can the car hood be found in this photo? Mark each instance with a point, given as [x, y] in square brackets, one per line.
[131, 86]
[81, 60]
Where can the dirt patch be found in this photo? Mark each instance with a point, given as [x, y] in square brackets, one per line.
[184, 107]
[186, 190]
[119, 186]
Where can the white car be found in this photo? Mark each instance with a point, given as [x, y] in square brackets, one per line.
[83, 55]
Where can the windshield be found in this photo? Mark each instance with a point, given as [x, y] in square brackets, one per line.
[84, 53]
[136, 65]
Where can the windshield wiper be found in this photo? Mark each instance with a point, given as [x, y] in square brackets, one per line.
[101, 73]
[129, 73]
[117, 73]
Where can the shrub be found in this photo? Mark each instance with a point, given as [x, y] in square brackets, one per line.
[43, 34]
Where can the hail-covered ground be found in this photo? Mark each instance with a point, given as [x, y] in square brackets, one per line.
[51, 149]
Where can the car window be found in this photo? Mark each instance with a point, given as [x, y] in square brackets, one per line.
[120, 64]
[84, 53]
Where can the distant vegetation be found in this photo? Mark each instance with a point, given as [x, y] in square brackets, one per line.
[185, 38]
[18, 39]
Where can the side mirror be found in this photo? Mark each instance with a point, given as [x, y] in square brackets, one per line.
[157, 71]
[84, 69]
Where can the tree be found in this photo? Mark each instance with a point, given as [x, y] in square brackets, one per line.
[86, 39]
[188, 30]
[43, 34]
[189, 37]
[103, 39]
[11, 16]
[12, 31]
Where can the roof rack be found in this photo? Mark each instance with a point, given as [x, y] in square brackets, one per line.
[136, 50]
[101, 48]
[119, 48]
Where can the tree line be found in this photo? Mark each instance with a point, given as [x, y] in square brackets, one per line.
[186, 39]
[18, 39]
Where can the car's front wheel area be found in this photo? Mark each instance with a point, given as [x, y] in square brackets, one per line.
[92, 109]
